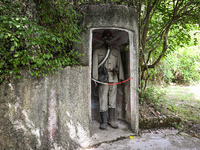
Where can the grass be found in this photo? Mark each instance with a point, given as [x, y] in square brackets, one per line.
[180, 101]
[175, 100]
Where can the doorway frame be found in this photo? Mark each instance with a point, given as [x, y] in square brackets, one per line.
[133, 53]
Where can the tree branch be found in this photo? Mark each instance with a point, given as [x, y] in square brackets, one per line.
[176, 16]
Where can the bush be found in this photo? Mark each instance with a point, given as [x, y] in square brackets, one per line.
[41, 43]
[185, 64]
[152, 94]
[181, 66]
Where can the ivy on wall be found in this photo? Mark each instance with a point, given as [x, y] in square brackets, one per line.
[37, 36]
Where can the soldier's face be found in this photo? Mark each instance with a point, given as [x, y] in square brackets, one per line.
[107, 40]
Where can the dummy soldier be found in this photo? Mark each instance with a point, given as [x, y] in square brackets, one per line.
[110, 71]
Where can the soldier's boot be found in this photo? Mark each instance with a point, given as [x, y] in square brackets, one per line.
[104, 119]
[112, 119]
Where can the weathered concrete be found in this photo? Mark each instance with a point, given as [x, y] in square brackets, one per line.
[99, 136]
[162, 139]
[39, 113]
[107, 17]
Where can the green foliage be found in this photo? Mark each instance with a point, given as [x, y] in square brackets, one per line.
[164, 27]
[162, 73]
[185, 64]
[179, 20]
[152, 95]
[41, 44]
[182, 65]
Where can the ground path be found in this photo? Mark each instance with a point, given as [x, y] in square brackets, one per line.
[155, 139]
[195, 90]
[162, 139]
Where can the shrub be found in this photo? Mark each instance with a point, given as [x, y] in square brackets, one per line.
[41, 43]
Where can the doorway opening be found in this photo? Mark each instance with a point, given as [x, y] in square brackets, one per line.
[121, 41]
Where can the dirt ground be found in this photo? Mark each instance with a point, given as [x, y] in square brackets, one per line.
[194, 89]
[147, 110]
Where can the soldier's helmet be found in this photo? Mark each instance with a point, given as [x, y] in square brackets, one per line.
[107, 34]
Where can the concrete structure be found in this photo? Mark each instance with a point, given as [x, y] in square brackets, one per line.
[47, 112]
[160, 139]
[56, 112]
[122, 21]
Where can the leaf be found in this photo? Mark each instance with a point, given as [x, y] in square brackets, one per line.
[131, 137]
[15, 43]
[12, 48]
[54, 39]
[16, 55]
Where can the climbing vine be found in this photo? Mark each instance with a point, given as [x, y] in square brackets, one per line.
[37, 38]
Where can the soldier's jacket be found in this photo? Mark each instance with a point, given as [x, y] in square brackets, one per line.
[113, 62]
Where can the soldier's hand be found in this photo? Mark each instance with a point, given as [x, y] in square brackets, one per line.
[115, 72]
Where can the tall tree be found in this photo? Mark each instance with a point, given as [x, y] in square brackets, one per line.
[163, 25]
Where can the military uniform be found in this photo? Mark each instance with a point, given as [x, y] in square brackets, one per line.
[108, 93]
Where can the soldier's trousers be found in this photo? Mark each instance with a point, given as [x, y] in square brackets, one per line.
[107, 97]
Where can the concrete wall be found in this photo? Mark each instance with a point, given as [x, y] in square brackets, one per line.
[39, 113]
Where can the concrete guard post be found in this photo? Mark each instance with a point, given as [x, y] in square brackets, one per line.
[54, 112]
[120, 18]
